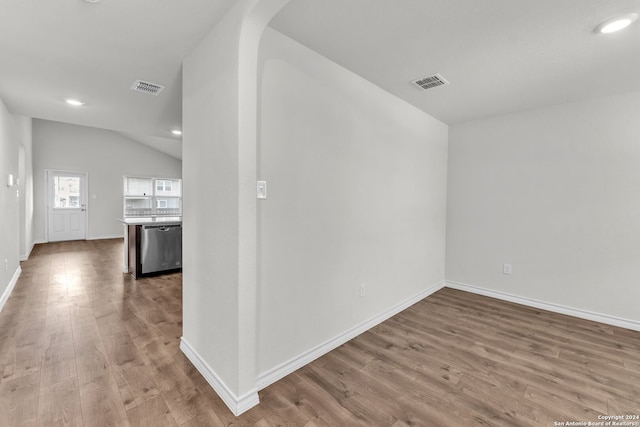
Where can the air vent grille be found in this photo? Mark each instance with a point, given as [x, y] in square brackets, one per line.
[146, 87]
[430, 82]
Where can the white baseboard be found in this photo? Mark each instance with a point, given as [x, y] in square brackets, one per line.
[556, 308]
[28, 254]
[114, 236]
[12, 284]
[237, 404]
[267, 378]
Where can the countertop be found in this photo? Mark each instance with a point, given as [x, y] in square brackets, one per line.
[151, 220]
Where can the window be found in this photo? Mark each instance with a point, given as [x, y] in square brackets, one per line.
[162, 185]
[67, 193]
[149, 197]
[134, 186]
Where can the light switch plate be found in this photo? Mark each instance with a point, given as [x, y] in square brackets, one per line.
[262, 189]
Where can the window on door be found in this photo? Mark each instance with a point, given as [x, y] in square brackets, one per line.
[66, 192]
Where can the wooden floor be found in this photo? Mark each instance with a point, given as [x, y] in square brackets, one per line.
[83, 344]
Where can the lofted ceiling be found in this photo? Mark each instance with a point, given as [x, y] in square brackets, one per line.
[500, 56]
[52, 50]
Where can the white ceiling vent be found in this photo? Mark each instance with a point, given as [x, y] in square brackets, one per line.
[146, 87]
[430, 82]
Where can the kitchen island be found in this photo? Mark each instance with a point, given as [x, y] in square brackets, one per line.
[152, 244]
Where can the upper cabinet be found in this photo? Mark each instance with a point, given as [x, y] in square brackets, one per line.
[143, 197]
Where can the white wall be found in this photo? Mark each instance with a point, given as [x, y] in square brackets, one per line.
[210, 229]
[219, 236]
[356, 194]
[556, 193]
[25, 125]
[10, 142]
[106, 156]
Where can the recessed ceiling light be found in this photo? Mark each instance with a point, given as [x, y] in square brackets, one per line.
[616, 23]
[92, 1]
[74, 102]
[176, 132]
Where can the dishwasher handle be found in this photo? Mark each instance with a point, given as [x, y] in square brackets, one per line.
[161, 227]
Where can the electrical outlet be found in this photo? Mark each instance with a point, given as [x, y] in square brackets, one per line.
[363, 289]
[507, 269]
[6, 265]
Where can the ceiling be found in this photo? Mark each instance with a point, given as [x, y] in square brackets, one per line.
[500, 56]
[52, 50]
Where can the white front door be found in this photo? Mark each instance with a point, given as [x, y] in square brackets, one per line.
[66, 205]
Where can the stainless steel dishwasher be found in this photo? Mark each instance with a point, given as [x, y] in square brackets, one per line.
[161, 247]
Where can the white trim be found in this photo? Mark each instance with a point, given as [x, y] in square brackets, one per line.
[113, 236]
[85, 196]
[7, 292]
[125, 261]
[40, 242]
[271, 376]
[556, 308]
[26, 257]
[237, 404]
